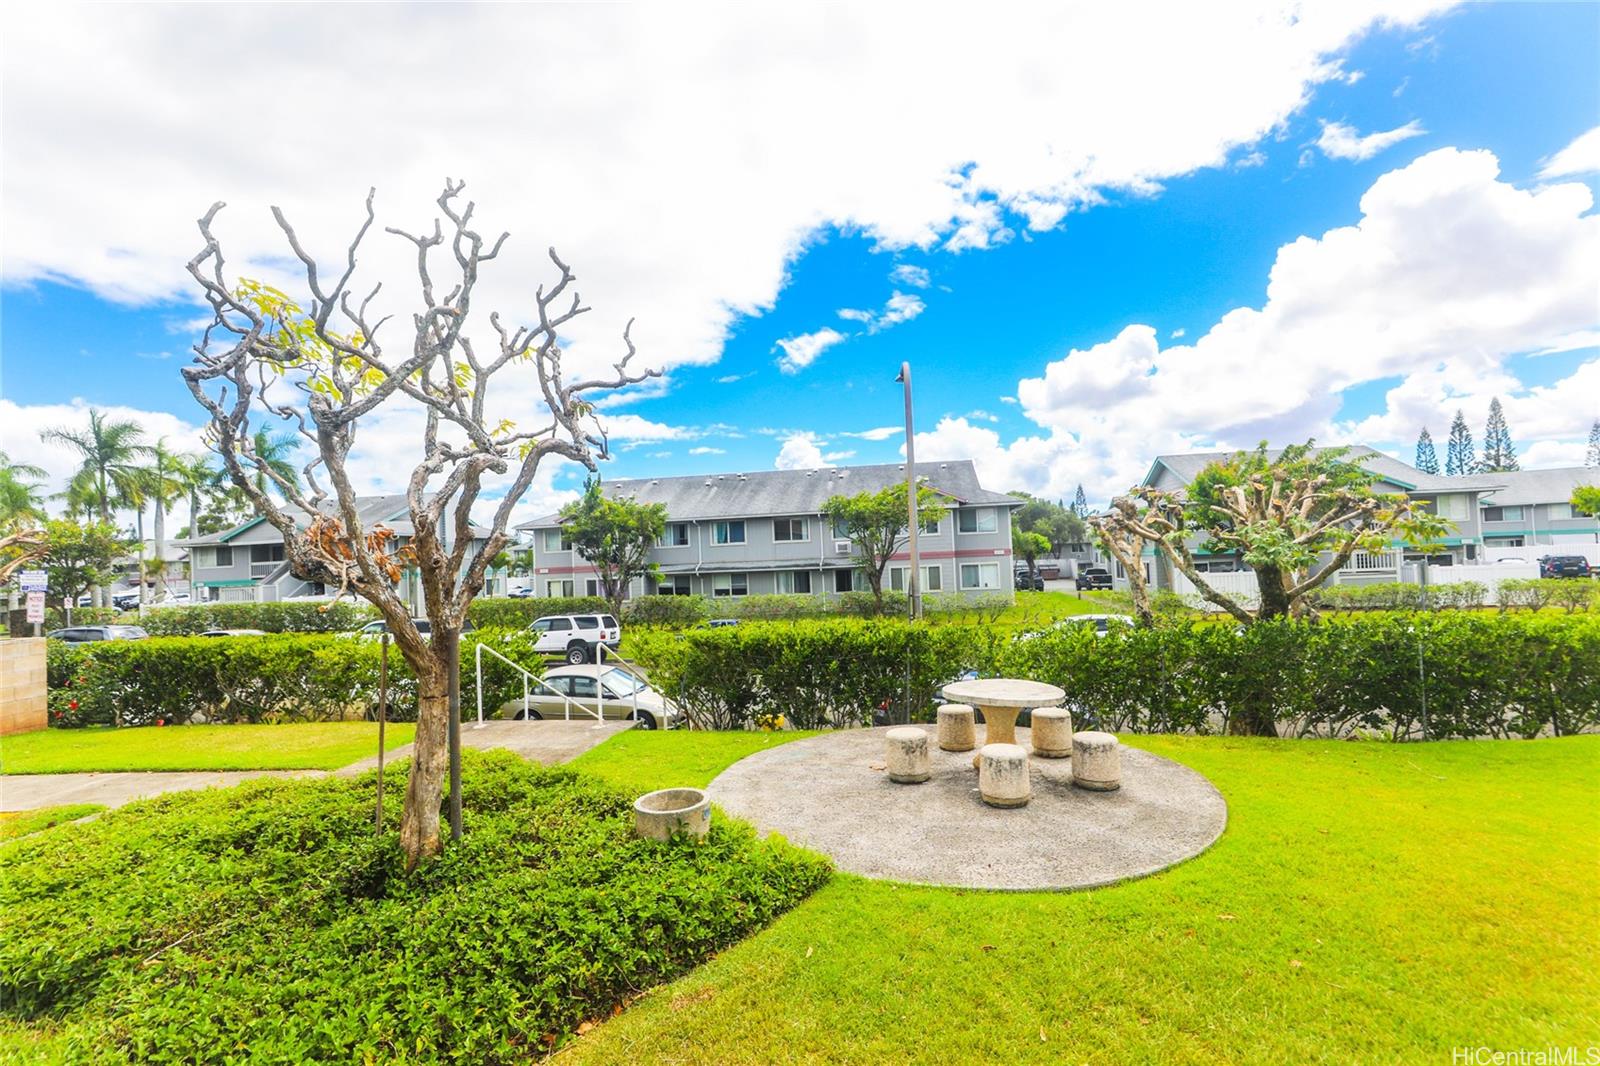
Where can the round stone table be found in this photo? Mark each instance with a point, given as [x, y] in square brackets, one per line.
[1002, 700]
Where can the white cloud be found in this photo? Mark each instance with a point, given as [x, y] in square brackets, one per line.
[900, 307]
[1252, 159]
[800, 451]
[1582, 156]
[910, 275]
[801, 351]
[1175, 334]
[632, 108]
[980, 415]
[705, 450]
[729, 379]
[1340, 141]
[876, 433]
[1448, 274]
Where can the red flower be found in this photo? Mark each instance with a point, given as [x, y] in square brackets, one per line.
[72, 704]
[161, 721]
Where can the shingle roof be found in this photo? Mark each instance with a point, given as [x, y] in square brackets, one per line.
[790, 492]
[1505, 487]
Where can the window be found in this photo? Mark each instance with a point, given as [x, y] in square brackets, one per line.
[931, 581]
[976, 520]
[844, 580]
[588, 622]
[676, 535]
[1452, 505]
[793, 581]
[591, 587]
[931, 526]
[558, 588]
[676, 585]
[728, 532]
[840, 530]
[725, 585]
[1503, 542]
[1502, 514]
[266, 553]
[583, 688]
[980, 575]
[214, 558]
[1559, 512]
[555, 540]
[790, 529]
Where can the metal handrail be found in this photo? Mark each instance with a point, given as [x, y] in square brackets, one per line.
[566, 702]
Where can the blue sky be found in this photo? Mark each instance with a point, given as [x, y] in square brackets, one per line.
[1173, 247]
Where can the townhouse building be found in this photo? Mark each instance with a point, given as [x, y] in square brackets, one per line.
[748, 534]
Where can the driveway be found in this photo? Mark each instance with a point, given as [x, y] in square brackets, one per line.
[542, 742]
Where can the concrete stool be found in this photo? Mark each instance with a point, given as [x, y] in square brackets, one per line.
[1052, 733]
[909, 761]
[1003, 775]
[956, 729]
[1096, 761]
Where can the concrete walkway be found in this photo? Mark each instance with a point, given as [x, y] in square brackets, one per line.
[542, 742]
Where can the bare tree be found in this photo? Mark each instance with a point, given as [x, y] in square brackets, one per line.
[320, 370]
[1118, 535]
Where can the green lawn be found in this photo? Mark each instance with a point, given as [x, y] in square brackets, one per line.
[14, 824]
[1368, 903]
[308, 746]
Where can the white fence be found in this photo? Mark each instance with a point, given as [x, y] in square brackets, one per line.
[1241, 584]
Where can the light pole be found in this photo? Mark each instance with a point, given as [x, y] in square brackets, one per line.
[914, 584]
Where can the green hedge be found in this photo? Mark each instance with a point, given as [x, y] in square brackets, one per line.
[268, 923]
[1483, 674]
[1570, 593]
[288, 617]
[283, 677]
[1400, 596]
[510, 611]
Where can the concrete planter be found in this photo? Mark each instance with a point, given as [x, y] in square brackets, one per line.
[662, 814]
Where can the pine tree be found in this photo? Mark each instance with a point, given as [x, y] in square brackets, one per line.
[1593, 457]
[1459, 457]
[1427, 460]
[1080, 502]
[1499, 454]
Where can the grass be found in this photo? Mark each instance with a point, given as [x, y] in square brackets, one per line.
[14, 824]
[307, 746]
[1368, 902]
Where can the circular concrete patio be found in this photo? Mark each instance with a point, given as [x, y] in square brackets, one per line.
[831, 793]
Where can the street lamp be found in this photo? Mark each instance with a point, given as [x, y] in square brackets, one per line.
[914, 585]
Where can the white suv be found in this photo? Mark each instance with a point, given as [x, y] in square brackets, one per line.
[576, 637]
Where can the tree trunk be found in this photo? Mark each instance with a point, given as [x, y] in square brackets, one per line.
[1274, 594]
[430, 760]
[140, 525]
[159, 532]
[194, 531]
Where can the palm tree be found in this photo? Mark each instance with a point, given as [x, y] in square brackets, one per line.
[110, 475]
[21, 506]
[165, 482]
[110, 452]
[277, 452]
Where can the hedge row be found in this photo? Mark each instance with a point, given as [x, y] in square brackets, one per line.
[1573, 594]
[279, 617]
[286, 677]
[1510, 594]
[1480, 675]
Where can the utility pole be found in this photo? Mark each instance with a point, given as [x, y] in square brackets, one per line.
[914, 584]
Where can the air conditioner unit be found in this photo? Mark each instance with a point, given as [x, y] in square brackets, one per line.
[841, 547]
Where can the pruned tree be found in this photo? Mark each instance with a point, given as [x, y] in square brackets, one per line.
[1296, 517]
[322, 369]
[875, 523]
[1118, 532]
[615, 537]
[1499, 453]
[1427, 458]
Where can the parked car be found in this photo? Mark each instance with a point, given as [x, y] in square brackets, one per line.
[1102, 623]
[1093, 577]
[1563, 566]
[126, 601]
[571, 692]
[1050, 571]
[374, 630]
[576, 637]
[84, 634]
[234, 633]
[1025, 581]
[520, 594]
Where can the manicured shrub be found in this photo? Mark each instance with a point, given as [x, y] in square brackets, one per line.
[275, 678]
[286, 617]
[268, 923]
[508, 611]
[1573, 594]
[866, 605]
[675, 611]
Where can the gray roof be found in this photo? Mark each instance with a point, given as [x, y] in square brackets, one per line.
[369, 510]
[1504, 487]
[790, 492]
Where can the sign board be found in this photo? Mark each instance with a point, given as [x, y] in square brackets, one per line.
[35, 607]
[34, 580]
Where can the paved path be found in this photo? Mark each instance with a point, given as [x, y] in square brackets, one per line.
[548, 742]
[25, 792]
[543, 742]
